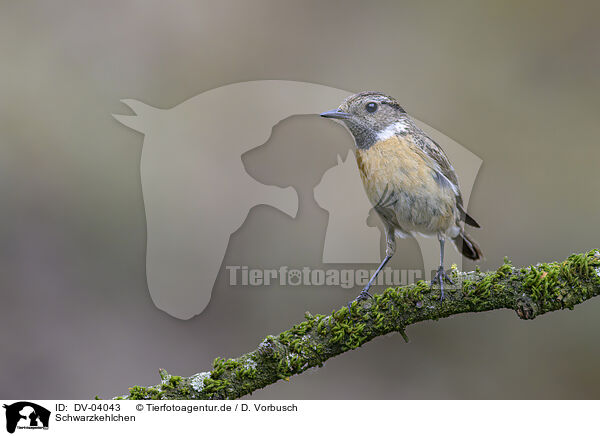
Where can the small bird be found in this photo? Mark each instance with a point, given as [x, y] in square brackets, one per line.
[407, 177]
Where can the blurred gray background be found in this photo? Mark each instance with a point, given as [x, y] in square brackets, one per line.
[515, 82]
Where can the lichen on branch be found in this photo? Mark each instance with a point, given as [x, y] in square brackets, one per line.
[529, 291]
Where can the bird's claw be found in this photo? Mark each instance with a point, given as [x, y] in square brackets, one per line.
[440, 276]
[364, 295]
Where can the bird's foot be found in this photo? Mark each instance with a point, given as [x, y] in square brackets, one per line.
[440, 276]
[364, 295]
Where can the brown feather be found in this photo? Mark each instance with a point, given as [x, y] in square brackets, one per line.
[468, 247]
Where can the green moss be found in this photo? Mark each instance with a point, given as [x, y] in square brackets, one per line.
[348, 334]
[300, 329]
[487, 286]
[468, 286]
[564, 283]
[505, 269]
[246, 373]
[231, 364]
[409, 293]
[174, 381]
[321, 327]
[541, 282]
[212, 386]
[340, 314]
[143, 393]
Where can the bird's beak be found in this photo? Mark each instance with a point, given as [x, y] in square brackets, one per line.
[337, 114]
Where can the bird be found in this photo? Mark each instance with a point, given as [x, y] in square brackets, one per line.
[407, 177]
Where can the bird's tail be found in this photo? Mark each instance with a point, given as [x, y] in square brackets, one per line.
[467, 246]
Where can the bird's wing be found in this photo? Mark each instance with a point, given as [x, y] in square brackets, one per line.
[435, 157]
[385, 208]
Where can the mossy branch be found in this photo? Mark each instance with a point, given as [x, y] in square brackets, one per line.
[530, 291]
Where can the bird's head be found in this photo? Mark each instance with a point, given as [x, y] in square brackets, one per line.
[370, 117]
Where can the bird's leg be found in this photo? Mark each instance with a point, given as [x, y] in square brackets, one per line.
[389, 252]
[441, 275]
[364, 294]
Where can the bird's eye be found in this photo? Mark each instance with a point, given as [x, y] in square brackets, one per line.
[371, 107]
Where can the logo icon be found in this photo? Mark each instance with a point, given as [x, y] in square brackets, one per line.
[26, 415]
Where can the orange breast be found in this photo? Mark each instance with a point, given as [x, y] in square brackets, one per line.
[394, 164]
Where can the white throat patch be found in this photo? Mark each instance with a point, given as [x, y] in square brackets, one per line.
[393, 129]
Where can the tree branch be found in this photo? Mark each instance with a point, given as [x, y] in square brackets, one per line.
[530, 291]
